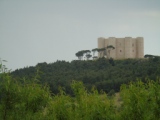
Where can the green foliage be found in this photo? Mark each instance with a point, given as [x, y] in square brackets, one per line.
[104, 74]
[61, 107]
[80, 54]
[30, 99]
[84, 106]
[21, 101]
[141, 101]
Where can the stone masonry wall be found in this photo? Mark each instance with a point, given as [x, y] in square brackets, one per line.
[124, 47]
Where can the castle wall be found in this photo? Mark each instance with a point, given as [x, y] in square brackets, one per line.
[112, 41]
[140, 47]
[133, 46]
[101, 44]
[124, 47]
[120, 48]
[128, 49]
[106, 44]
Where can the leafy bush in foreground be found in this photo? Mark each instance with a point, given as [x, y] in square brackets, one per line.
[141, 101]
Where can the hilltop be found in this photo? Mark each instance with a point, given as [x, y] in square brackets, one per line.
[104, 74]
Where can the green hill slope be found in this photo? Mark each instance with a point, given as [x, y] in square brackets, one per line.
[104, 74]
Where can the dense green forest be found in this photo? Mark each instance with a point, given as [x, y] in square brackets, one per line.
[105, 74]
[29, 100]
[34, 93]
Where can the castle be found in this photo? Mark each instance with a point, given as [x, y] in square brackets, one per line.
[124, 47]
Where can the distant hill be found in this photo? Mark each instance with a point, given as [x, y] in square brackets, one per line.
[106, 75]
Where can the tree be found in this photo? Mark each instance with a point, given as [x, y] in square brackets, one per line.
[101, 51]
[19, 100]
[108, 50]
[79, 54]
[95, 57]
[88, 56]
[87, 52]
[148, 56]
[94, 50]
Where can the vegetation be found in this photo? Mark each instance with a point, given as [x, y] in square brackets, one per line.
[81, 53]
[104, 74]
[103, 52]
[141, 101]
[29, 100]
[47, 91]
[108, 49]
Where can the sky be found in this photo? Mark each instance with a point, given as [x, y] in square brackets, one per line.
[35, 31]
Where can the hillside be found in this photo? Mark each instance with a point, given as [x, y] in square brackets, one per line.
[106, 75]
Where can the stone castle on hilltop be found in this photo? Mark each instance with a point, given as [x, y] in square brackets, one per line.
[124, 47]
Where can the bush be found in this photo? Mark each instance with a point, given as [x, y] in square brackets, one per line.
[141, 101]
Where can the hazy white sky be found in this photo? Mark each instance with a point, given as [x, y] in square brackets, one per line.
[34, 31]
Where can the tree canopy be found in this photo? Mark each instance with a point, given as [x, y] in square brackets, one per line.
[104, 74]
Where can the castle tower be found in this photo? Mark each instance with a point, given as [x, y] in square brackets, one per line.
[140, 47]
[101, 44]
[128, 48]
[112, 41]
[133, 48]
[120, 48]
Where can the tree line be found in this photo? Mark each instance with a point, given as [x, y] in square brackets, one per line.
[103, 52]
[29, 100]
[104, 74]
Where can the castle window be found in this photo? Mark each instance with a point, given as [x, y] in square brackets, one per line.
[132, 45]
[120, 50]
